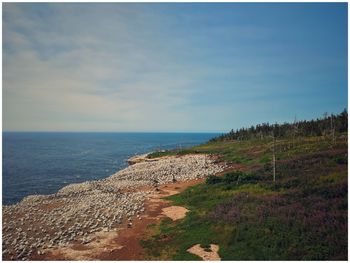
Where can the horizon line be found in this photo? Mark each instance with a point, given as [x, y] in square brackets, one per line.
[115, 131]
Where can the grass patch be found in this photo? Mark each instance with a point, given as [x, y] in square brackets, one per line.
[301, 216]
[162, 154]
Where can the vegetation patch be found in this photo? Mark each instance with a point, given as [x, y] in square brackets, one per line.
[162, 154]
[301, 215]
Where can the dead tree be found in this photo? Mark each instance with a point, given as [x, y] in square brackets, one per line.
[325, 115]
[295, 129]
[332, 130]
[274, 159]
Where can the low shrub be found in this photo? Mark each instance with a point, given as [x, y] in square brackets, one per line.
[341, 160]
[236, 177]
[161, 154]
[232, 177]
[212, 179]
[250, 178]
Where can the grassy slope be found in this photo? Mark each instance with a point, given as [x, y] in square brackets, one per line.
[303, 215]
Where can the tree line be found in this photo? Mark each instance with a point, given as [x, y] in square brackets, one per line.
[328, 125]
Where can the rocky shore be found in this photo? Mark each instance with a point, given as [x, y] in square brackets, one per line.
[42, 222]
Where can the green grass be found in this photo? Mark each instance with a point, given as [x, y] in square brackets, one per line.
[253, 152]
[161, 154]
[301, 216]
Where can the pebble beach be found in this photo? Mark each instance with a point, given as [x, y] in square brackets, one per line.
[40, 223]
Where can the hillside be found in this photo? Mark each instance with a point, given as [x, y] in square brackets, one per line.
[301, 215]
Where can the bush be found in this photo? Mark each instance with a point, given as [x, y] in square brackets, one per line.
[233, 177]
[161, 154]
[250, 178]
[341, 160]
[212, 179]
[241, 177]
[236, 177]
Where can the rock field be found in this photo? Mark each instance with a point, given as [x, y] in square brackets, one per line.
[40, 222]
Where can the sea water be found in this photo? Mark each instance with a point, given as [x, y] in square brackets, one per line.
[44, 162]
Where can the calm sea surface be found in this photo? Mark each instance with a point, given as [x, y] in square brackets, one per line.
[42, 163]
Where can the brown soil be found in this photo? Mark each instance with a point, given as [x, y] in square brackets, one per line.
[123, 243]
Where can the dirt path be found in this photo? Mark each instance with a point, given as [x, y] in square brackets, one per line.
[129, 238]
[123, 243]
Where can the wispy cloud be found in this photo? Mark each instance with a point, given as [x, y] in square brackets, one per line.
[148, 67]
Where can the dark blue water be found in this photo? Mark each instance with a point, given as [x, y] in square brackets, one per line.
[42, 163]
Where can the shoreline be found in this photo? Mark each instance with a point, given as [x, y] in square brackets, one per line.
[39, 224]
[124, 243]
[127, 161]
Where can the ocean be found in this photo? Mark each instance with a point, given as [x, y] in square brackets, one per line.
[44, 162]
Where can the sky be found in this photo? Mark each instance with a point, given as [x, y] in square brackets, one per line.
[171, 67]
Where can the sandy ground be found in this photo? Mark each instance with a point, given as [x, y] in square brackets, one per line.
[175, 212]
[206, 255]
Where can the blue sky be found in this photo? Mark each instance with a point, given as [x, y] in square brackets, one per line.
[171, 67]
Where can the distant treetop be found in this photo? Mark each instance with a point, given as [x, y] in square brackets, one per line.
[321, 126]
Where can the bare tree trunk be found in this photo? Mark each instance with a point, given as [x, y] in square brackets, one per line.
[331, 126]
[274, 160]
[295, 128]
[325, 128]
[332, 130]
